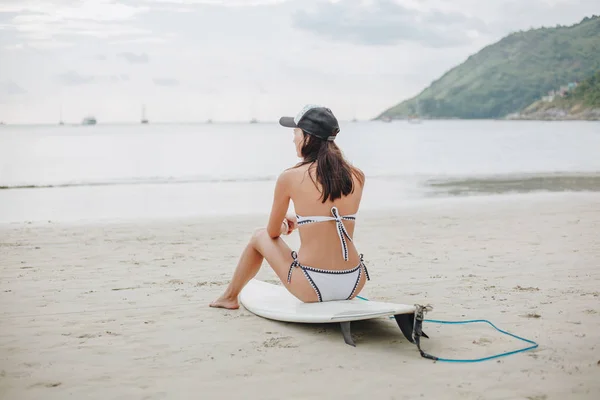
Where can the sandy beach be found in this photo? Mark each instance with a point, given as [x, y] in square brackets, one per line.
[120, 310]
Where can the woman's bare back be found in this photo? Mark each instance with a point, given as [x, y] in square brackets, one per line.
[320, 243]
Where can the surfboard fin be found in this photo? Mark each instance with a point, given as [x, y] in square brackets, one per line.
[411, 326]
[406, 324]
[345, 326]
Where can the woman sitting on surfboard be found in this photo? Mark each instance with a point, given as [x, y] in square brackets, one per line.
[327, 266]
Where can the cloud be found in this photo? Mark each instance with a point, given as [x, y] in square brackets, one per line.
[72, 78]
[225, 3]
[43, 23]
[112, 79]
[11, 88]
[514, 15]
[16, 46]
[166, 82]
[93, 10]
[385, 22]
[132, 58]
[140, 40]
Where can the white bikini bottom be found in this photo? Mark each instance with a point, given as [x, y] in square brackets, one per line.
[331, 284]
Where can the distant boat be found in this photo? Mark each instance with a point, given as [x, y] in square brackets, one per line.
[209, 121]
[60, 122]
[386, 119]
[253, 121]
[144, 119]
[89, 121]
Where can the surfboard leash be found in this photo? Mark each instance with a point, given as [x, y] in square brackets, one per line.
[413, 331]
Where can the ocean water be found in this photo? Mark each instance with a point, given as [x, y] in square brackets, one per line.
[71, 173]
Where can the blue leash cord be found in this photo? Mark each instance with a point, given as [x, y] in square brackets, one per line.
[472, 360]
[534, 344]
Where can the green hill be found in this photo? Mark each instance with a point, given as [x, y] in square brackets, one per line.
[582, 102]
[509, 75]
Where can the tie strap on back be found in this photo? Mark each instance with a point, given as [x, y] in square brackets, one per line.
[341, 230]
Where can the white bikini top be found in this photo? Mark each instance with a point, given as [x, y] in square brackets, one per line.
[341, 229]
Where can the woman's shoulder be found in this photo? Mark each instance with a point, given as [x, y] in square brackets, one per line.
[359, 172]
[358, 176]
[295, 171]
[289, 175]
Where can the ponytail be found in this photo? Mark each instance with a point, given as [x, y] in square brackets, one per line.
[334, 173]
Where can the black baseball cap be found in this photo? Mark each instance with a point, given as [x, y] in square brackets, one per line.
[315, 120]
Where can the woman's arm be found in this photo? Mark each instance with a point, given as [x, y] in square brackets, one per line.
[281, 202]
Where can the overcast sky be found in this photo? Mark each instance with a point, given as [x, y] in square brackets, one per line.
[190, 60]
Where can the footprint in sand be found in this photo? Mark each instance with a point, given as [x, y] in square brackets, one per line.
[46, 384]
[482, 341]
[283, 342]
[526, 289]
[531, 315]
[31, 365]
[87, 336]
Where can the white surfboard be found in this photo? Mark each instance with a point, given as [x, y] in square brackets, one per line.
[275, 302]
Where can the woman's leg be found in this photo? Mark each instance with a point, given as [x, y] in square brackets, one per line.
[278, 255]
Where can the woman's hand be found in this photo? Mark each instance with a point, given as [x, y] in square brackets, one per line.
[289, 224]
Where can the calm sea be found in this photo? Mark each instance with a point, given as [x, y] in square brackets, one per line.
[70, 173]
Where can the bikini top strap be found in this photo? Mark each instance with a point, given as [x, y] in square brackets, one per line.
[339, 220]
[322, 218]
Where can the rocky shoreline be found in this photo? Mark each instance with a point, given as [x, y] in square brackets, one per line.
[558, 114]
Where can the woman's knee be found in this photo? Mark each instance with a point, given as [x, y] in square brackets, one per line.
[258, 233]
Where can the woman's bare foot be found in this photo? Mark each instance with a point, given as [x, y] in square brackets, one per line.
[226, 302]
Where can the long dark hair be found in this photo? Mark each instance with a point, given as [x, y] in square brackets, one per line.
[334, 173]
